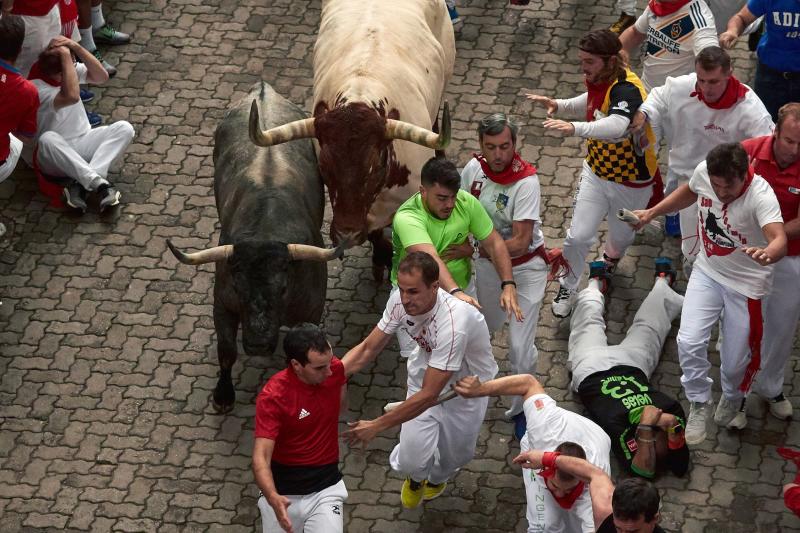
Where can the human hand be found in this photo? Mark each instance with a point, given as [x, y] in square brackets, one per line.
[457, 251]
[468, 387]
[529, 459]
[644, 216]
[650, 415]
[60, 40]
[464, 297]
[759, 255]
[544, 101]
[638, 122]
[561, 126]
[509, 304]
[727, 39]
[280, 504]
[360, 432]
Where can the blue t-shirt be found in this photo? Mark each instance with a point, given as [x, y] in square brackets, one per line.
[779, 47]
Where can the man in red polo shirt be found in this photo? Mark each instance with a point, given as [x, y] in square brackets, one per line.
[776, 158]
[296, 452]
[19, 96]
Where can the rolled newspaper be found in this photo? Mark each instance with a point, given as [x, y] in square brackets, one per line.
[628, 217]
[449, 395]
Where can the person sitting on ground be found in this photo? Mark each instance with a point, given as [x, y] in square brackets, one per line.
[67, 145]
[645, 425]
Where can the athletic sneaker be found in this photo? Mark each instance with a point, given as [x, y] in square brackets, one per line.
[726, 411]
[75, 196]
[94, 119]
[109, 196]
[696, 423]
[672, 225]
[431, 492]
[86, 96]
[520, 426]
[563, 302]
[780, 407]
[110, 35]
[411, 494]
[454, 18]
[599, 270]
[625, 21]
[111, 69]
[664, 269]
[739, 420]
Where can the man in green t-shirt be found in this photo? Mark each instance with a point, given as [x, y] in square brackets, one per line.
[442, 216]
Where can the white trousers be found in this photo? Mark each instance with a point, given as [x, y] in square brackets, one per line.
[704, 303]
[15, 148]
[595, 200]
[781, 313]
[531, 280]
[546, 516]
[589, 351]
[438, 442]
[318, 512]
[85, 159]
[39, 31]
[627, 6]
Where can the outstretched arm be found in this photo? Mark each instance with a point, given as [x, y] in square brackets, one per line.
[355, 359]
[523, 385]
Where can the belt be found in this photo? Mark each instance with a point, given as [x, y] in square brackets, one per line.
[788, 76]
[539, 252]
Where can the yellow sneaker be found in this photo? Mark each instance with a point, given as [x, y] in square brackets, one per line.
[410, 496]
[624, 22]
[430, 491]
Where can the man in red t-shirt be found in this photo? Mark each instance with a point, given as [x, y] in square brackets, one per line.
[19, 96]
[296, 452]
[776, 158]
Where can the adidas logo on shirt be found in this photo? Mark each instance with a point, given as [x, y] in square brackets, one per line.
[303, 414]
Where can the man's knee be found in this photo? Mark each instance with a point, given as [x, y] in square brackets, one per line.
[48, 141]
[123, 129]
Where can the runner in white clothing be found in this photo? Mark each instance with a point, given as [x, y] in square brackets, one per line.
[557, 501]
[435, 440]
[675, 31]
[696, 112]
[742, 232]
[508, 188]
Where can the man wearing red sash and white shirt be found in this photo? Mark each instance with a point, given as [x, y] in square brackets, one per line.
[508, 189]
[776, 158]
[567, 505]
[742, 232]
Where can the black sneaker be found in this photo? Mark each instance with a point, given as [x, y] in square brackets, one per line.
[599, 270]
[664, 269]
[75, 196]
[109, 196]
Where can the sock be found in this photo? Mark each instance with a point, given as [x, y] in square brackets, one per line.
[97, 17]
[87, 40]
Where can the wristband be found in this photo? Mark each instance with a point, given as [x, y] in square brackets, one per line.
[508, 282]
[647, 426]
[648, 441]
[457, 289]
[549, 459]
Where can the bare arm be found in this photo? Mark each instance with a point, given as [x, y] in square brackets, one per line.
[343, 400]
[69, 92]
[523, 385]
[775, 250]
[446, 280]
[262, 459]
[8, 5]
[631, 38]
[496, 248]
[521, 237]
[363, 431]
[367, 350]
[644, 459]
[681, 198]
[736, 26]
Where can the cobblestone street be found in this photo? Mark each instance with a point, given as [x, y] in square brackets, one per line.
[107, 342]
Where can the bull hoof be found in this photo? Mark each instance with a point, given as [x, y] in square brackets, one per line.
[223, 399]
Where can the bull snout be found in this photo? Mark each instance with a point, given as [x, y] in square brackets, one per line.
[259, 336]
[260, 348]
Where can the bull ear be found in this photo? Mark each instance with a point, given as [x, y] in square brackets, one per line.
[299, 129]
[305, 252]
[210, 255]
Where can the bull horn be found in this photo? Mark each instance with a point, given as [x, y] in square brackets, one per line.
[217, 253]
[306, 252]
[299, 129]
[397, 129]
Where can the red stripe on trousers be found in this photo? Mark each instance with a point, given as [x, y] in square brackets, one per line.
[754, 341]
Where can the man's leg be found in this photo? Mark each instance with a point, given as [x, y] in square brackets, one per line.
[7, 167]
[102, 146]
[587, 335]
[269, 522]
[781, 314]
[651, 325]
[620, 234]
[535, 492]
[326, 510]
[56, 156]
[39, 31]
[458, 433]
[413, 456]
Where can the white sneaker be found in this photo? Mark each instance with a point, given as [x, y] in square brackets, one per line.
[696, 423]
[780, 407]
[563, 302]
[739, 421]
[726, 411]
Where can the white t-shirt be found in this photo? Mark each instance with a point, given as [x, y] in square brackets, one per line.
[548, 426]
[70, 122]
[726, 228]
[506, 203]
[674, 40]
[452, 336]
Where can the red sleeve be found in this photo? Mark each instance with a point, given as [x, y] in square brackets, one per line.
[792, 500]
[27, 123]
[337, 370]
[268, 416]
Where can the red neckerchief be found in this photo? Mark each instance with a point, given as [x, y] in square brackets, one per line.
[565, 502]
[734, 92]
[515, 171]
[662, 9]
[37, 74]
[596, 96]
